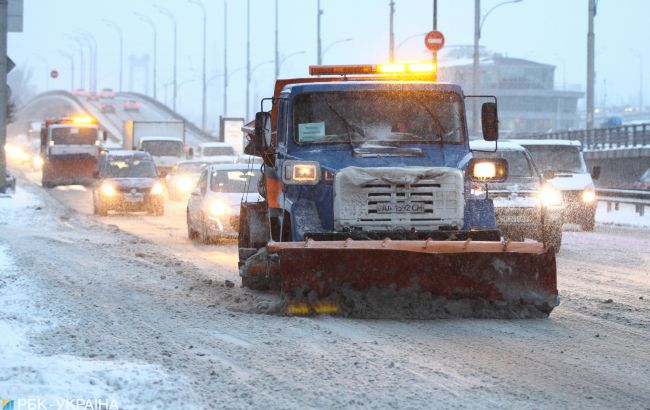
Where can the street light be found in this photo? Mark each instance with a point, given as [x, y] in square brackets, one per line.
[82, 61]
[169, 14]
[70, 58]
[285, 58]
[92, 46]
[345, 40]
[148, 21]
[117, 28]
[252, 71]
[204, 100]
[640, 57]
[401, 43]
[478, 26]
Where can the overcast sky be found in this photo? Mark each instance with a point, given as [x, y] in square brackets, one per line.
[548, 31]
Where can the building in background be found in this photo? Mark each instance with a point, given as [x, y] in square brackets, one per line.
[527, 97]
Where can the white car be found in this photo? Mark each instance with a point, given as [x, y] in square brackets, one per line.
[217, 152]
[213, 207]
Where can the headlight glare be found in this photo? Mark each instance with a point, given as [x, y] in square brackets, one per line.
[588, 196]
[107, 189]
[157, 189]
[218, 208]
[184, 184]
[550, 196]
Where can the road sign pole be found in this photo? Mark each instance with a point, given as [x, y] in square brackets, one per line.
[434, 41]
[3, 93]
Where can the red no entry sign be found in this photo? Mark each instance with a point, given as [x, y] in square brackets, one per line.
[54, 74]
[434, 40]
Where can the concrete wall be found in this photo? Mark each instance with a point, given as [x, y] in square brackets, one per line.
[620, 168]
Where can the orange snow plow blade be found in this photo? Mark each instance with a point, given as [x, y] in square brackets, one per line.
[415, 279]
[76, 171]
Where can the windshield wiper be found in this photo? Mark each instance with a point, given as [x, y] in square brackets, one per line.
[351, 128]
[433, 117]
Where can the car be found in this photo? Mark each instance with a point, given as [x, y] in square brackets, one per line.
[107, 107]
[217, 152]
[182, 178]
[91, 96]
[132, 105]
[79, 92]
[526, 207]
[127, 181]
[213, 207]
[107, 93]
[644, 181]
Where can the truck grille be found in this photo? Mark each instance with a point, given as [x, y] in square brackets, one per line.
[387, 203]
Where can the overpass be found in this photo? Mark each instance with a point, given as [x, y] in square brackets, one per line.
[623, 152]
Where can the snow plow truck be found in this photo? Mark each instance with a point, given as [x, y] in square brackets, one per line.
[370, 204]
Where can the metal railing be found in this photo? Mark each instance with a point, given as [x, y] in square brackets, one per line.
[624, 136]
[614, 197]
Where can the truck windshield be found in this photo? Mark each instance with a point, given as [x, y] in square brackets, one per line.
[233, 180]
[518, 165]
[128, 167]
[162, 148]
[559, 158]
[74, 135]
[378, 116]
[215, 151]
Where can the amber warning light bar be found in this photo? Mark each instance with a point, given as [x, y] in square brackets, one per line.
[393, 68]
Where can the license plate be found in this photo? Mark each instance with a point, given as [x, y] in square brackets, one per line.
[515, 218]
[402, 208]
[133, 197]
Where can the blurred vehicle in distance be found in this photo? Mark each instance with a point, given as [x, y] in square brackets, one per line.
[91, 96]
[127, 181]
[182, 178]
[217, 152]
[164, 140]
[132, 105]
[213, 207]
[107, 107]
[644, 181]
[79, 91]
[107, 93]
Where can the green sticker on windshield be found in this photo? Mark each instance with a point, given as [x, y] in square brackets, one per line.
[311, 131]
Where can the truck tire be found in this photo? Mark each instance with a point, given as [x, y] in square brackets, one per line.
[204, 236]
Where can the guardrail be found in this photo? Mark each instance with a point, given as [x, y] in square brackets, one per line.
[625, 136]
[614, 197]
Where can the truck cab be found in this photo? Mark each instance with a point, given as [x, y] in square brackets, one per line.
[166, 151]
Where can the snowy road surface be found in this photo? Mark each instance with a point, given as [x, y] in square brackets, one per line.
[125, 308]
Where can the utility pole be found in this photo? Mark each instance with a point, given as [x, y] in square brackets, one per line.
[225, 58]
[435, 27]
[70, 58]
[591, 74]
[391, 36]
[475, 73]
[169, 14]
[121, 37]
[248, 58]
[3, 94]
[318, 35]
[277, 51]
[204, 105]
[148, 21]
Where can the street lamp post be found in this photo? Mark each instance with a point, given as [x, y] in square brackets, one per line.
[121, 37]
[204, 99]
[248, 58]
[319, 42]
[333, 44]
[82, 61]
[287, 57]
[169, 14]
[250, 76]
[148, 21]
[225, 58]
[92, 47]
[70, 58]
[391, 35]
[401, 43]
[478, 26]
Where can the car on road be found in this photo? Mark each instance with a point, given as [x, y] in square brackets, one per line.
[127, 181]
[213, 207]
[644, 181]
[91, 96]
[107, 93]
[132, 105]
[220, 152]
[79, 92]
[570, 175]
[182, 178]
[107, 107]
[526, 207]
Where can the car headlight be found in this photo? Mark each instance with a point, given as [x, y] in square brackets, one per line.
[107, 189]
[301, 172]
[38, 162]
[588, 196]
[157, 189]
[550, 196]
[488, 170]
[218, 208]
[184, 184]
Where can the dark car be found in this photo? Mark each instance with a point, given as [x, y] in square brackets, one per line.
[127, 181]
[107, 107]
[644, 181]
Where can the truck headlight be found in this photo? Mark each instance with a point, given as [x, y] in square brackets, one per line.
[301, 172]
[38, 162]
[107, 189]
[157, 189]
[588, 196]
[488, 170]
[184, 184]
[550, 196]
[218, 208]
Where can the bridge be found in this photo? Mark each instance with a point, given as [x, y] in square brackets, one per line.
[623, 153]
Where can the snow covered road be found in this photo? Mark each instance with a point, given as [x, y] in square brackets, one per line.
[125, 308]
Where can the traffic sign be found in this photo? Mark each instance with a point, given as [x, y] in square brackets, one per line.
[434, 40]
[54, 74]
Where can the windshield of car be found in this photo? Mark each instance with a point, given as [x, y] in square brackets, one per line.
[129, 167]
[518, 165]
[214, 151]
[559, 158]
[378, 116]
[233, 180]
[163, 148]
[191, 167]
[74, 135]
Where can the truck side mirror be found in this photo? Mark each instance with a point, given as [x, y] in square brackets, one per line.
[595, 172]
[262, 136]
[490, 121]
